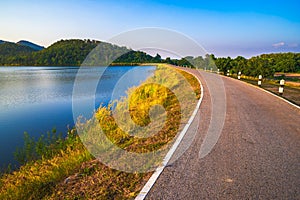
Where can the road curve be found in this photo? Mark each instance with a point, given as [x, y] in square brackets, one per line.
[257, 155]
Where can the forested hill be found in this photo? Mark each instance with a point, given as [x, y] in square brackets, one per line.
[74, 52]
[71, 53]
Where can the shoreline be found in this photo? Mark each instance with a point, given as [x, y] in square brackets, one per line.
[58, 108]
[75, 166]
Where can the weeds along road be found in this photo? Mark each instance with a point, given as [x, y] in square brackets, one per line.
[257, 155]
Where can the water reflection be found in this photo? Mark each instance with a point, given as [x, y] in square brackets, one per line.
[36, 99]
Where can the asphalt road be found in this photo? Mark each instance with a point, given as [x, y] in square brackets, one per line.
[257, 154]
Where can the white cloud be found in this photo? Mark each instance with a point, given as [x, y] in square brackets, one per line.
[277, 45]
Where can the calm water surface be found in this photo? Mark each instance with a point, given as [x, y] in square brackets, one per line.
[37, 99]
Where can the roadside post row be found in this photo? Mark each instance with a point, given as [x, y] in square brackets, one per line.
[281, 83]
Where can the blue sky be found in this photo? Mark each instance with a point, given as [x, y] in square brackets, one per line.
[224, 28]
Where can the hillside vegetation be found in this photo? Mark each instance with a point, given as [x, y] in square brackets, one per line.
[265, 64]
[71, 53]
[74, 53]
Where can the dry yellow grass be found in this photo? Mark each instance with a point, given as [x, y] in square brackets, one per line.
[292, 83]
[295, 75]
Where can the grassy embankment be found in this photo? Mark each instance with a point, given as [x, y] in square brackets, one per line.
[64, 169]
[291, 88]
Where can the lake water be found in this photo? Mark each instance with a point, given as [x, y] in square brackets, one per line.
[37, 99]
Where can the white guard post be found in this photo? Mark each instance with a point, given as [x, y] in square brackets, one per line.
[281, 86]
[259, 80]
[239, 75]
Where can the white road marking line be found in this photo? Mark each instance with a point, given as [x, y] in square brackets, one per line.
[147, 187]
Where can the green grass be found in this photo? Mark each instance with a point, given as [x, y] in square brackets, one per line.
[36, 179]
[63, 168]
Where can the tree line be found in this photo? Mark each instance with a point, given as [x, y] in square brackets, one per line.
[265, 64]
[76, 52]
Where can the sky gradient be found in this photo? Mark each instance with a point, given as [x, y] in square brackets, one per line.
[225, 28]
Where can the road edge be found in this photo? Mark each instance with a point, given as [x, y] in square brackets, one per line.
[266, 91]
[147, 187]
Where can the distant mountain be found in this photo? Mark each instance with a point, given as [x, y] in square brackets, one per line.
[31, 45]
[71, 53]
[1, 41]
[13, 49]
